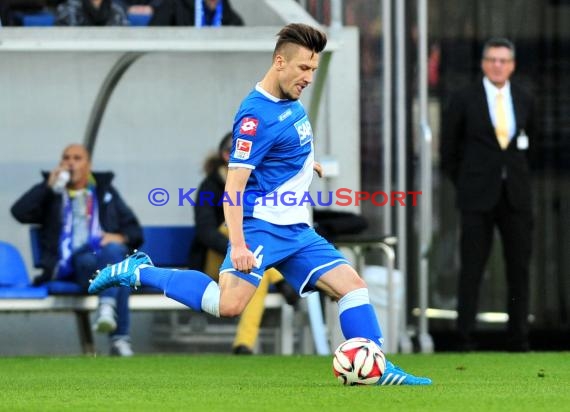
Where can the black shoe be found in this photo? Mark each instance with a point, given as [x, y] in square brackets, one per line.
[290, 295]
[242, 350]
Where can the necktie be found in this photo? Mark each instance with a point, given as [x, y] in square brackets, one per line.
[501, 128]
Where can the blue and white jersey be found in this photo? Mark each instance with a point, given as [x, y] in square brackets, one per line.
[273, 137]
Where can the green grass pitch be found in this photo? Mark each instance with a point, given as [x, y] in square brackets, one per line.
[472, 382]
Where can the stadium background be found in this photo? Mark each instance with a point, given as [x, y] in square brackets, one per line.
[180, 97]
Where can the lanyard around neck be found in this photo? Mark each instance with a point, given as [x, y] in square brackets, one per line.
[200, 14]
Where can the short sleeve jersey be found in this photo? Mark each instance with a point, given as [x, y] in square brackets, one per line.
[274, 138]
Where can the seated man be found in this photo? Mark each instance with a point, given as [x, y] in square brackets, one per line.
[85, 226]
[211, 242]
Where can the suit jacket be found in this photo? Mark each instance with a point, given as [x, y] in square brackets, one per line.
[472, 158]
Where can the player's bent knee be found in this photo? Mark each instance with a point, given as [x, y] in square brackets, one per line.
[231, 309]
[359, 283]
[235, 293]
[353, 281]
[339, 281]
[356, 285]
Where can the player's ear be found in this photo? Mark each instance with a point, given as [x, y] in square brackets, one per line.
[279, 62]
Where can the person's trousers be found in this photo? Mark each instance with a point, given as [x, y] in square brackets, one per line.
[85, 263]
[515, 229]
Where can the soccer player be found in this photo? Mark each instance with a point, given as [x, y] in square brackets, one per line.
[272, 155]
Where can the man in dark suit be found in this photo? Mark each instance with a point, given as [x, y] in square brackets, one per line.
[488, 130]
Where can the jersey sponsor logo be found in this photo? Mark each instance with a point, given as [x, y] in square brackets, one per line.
[285, 114]
[304, 130]
[248, 126]
[243, 149]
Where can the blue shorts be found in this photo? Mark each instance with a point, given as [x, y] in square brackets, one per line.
[297, 251]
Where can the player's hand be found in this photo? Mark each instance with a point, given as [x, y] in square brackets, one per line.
[242, 259]
[317, 167]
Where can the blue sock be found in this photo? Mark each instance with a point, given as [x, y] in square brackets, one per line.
[357, 317]
[184, 286]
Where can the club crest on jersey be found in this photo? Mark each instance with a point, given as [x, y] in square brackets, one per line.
[248, 126]
[243, 149]
[304, 130]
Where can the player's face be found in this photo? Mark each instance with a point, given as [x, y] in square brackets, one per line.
[498, 64]
[296, 70]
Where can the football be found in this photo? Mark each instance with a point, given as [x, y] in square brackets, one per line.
[358, 361]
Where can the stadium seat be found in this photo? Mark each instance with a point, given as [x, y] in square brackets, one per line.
[40, 19]
[60, 287]
[139, 19]
[168, 246]
[54, 287]
[14, 279]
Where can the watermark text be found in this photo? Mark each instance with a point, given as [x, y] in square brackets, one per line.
[340, 197]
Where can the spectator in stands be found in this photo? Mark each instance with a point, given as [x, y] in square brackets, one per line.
[211, 242]
[142, 7]
[91, 13]
[11, 11]
[489, 139]
[85, 225]
[198, 13]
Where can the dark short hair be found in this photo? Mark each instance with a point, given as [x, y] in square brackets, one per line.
[225, 144]
[499, 42]
[302, 35]
[216, 160]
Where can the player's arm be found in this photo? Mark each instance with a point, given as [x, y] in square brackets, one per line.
[242, 258]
